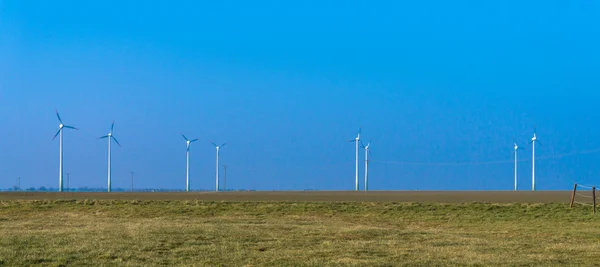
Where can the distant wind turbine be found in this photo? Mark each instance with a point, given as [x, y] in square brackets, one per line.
[356, 141]
[367, 152]
[217, 170]
[515, 154]
[60, 132]
[110, 138]
[533, 141]
[187, 156]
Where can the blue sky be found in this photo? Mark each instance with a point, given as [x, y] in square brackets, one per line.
[288, 84]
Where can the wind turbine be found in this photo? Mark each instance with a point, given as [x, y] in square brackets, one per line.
[187, 156]
[533, 141]
[110, 138]
[515, 154]
[217, 174]
[60, 132]
[357, 141]
[367, 152]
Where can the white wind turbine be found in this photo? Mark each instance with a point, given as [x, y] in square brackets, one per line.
[217, 170]
[367, 153]
[356, 141]
[187, 156]
[515, 154]
[60, 164]
[110, 138]
[533, 141]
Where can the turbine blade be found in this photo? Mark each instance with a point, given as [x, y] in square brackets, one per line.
[186, 139]
[214, 144]
[195, 140]
[353, 140]
[56, 134]
[538, 141]
[112, 126]
[361, 144]
[223, 144]
[102, 137]
[70, 127]
[113, 137]
[59, 119]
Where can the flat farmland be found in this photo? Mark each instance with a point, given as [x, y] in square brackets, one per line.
[310, 196]
[405, 228]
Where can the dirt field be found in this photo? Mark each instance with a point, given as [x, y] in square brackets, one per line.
[320, 196]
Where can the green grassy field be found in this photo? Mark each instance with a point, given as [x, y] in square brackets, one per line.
[202, 233]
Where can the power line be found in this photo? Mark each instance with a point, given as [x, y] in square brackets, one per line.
[467, 163]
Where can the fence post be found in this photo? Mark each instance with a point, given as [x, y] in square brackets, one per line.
[573, 196]
[594, 197]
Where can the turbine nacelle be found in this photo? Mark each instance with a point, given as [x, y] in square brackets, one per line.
[61, 126]
[357, 138]
[218, 146]
[110, 135]
[188, 141]
[366, 147]
[534, 140]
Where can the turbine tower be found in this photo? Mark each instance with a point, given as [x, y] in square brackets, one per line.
[61, 126]
[533, 141]
[515, 154]
[110, 137]
[187, 156]
[367, 152]
[217, 169]
[357, 142]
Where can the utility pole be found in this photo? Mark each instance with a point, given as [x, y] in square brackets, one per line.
[68, 181]
[132, 180]
[224, 177]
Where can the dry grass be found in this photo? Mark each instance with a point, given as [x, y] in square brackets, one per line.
[194, 233]
[311, 196]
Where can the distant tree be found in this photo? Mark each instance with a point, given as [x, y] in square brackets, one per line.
[31, 189]
[43, 188]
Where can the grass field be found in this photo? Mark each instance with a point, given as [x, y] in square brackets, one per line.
[294, 233]
[311, 196]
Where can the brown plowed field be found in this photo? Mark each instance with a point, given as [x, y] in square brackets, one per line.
[319, 196]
